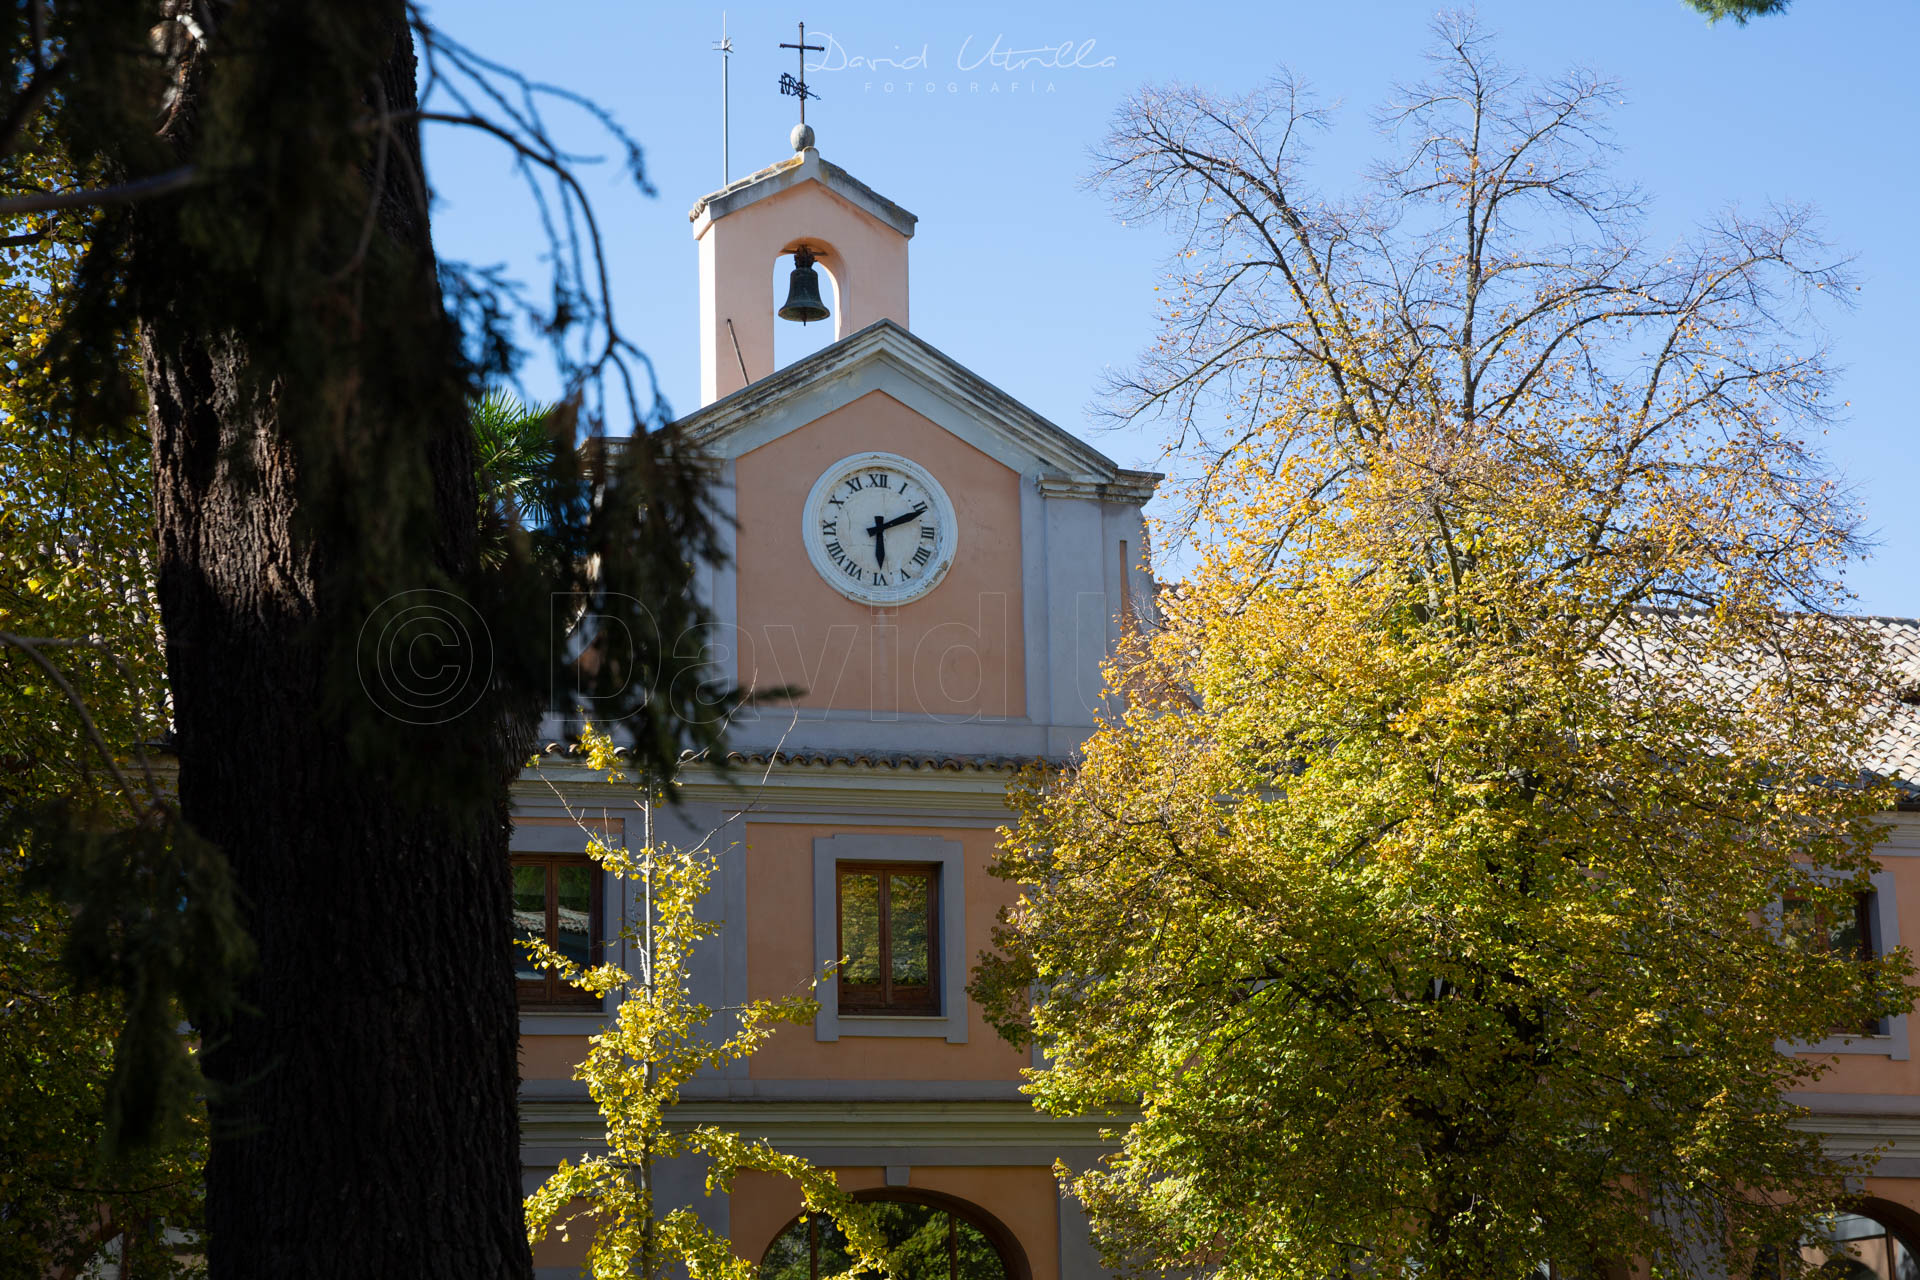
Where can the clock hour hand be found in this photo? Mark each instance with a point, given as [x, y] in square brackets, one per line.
[879, 529]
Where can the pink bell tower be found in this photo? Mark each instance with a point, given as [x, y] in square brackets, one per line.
[857, 235]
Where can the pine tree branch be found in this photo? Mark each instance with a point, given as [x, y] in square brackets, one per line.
[123, 193]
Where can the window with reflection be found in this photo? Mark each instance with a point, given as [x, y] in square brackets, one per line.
[1848, 932]
[887, 938]
[926, 1241]
[1851, 1246]
[555, 899]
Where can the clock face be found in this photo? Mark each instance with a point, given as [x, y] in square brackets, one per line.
[879, 528]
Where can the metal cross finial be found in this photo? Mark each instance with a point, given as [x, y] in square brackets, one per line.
[797, 87]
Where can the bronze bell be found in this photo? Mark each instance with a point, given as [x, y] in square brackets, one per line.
[803, 290]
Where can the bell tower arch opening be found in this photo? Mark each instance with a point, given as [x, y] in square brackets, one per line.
[794, 339]
[860, 237]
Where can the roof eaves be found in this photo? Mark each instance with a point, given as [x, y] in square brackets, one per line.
[791, 172]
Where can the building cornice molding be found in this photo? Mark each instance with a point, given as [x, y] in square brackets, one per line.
[850, 1131]
[786, 791]
[1134, 487]
[782, 175]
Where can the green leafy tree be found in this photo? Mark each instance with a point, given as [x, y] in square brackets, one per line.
[659, 1039]
[81, 686]
[1480, 816]
[68, 1194]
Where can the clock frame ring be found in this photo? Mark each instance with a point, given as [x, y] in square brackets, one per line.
[940, 508]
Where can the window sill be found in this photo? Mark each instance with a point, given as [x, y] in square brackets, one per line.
[561, 1020]
[1885, 1046]
[894, 1024]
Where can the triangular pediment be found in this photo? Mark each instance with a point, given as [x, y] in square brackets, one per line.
[887, 358]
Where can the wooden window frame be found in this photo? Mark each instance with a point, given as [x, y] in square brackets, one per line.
[861, 1000]
[549, 991]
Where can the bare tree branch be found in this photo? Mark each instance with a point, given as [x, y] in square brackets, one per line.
[1491, 264]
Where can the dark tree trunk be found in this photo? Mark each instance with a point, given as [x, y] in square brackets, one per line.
[312, 456]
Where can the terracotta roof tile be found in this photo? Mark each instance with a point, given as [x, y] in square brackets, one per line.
[1895, 753]
[804, 757]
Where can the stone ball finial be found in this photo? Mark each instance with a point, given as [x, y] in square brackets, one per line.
[802, 136]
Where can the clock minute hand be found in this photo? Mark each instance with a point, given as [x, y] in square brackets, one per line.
[898, 520]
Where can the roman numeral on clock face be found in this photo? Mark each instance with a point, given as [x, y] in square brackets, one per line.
[922, 555]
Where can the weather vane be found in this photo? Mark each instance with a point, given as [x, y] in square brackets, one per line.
[797, 86]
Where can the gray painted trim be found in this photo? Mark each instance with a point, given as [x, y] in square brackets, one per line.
[707, 1089]
[863, 731]
[1886, 936]
[548, 1156]
[733, 937]
[1043, 1154]
[829, 850]
[1132, 487]
[1856, 1104]
[726, 583]
[1036, 614]
[568, 839]
[910, 1026]
[1079, 1258]
[945, 818]
[536, 1023]
[1891, 1167]
[905, 1133]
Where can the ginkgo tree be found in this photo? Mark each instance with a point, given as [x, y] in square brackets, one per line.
[1487, 806]
[659, 1038]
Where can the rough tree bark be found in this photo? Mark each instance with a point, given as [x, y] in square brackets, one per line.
[364, 1104]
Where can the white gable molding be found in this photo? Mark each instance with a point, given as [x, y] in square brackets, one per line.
[885, 357]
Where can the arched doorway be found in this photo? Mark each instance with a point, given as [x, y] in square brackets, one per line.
[932, 1237]
[1874, 1240]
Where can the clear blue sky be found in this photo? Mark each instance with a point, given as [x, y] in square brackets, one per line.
[1026, 278]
